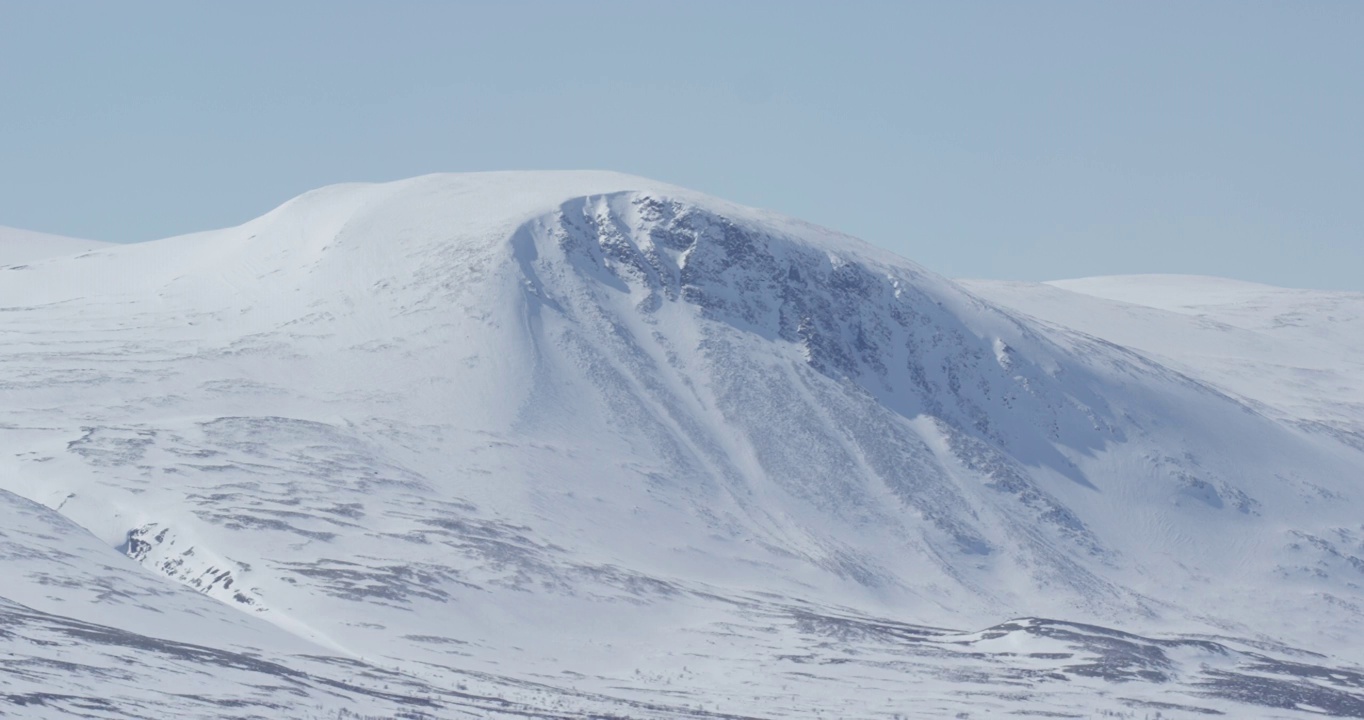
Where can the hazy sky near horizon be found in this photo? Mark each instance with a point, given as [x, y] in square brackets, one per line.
[1028, 141]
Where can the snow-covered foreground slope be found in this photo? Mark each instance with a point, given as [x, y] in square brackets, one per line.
[581, 444]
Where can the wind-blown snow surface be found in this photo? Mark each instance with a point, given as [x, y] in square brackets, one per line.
[582, 444]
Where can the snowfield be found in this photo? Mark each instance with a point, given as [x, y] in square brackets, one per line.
[20, 246]
[574, 445]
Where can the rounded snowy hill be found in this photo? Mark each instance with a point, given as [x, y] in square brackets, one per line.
[588, 438]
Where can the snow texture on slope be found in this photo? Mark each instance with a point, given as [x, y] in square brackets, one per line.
[590, 441]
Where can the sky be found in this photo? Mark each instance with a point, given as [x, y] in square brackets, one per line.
[1005, 140]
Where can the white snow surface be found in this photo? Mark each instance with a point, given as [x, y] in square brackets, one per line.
[1296, 355]
[23, 246]
[584, 444]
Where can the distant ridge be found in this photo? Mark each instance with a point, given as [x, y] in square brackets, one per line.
[21, 246]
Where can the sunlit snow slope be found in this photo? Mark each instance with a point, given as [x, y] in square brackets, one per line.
[575, 444]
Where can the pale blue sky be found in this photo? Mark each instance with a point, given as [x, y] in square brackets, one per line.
[1004, 140]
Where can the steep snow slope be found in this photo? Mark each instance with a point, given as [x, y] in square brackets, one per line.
[585, 438]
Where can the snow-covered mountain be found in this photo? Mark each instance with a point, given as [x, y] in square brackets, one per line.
[583, 444]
